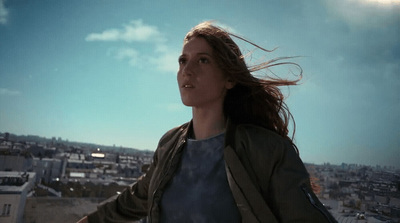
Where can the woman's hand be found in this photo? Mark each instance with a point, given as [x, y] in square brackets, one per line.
[83, 220]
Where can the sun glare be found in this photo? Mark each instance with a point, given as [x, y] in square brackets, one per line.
[385, 2]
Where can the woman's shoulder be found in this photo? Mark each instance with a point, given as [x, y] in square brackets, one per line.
[261, 139]
[256, 131]
[173, 133]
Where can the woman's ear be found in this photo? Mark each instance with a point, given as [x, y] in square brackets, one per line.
[230, 84]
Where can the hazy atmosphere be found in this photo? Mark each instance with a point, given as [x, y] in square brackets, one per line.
[105, 71]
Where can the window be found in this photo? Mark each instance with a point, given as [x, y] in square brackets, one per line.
[6, 210]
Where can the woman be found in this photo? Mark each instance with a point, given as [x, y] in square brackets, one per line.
[234, 161]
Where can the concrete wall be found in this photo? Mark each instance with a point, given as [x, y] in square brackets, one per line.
[14, 215]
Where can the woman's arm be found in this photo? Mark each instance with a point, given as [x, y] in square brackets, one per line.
[83, 220]
[130, 205]
[275, 167]
[291, 194]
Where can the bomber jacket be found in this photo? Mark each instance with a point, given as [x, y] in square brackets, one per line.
[267, 178]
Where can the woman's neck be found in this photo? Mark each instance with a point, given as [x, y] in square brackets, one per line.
[207, 123]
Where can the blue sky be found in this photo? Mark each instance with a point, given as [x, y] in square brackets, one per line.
[105, 71]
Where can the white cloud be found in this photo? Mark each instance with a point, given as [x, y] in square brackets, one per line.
[5, 91]
[162, 61]
[161, 58]
[135, 31]
[166, 62]
[128, 53]
[3, 13]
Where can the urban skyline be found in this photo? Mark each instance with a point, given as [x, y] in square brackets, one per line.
[41, 140]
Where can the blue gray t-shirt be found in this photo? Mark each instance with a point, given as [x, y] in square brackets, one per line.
[199, 191]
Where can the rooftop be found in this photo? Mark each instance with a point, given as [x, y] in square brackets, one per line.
[15, 182]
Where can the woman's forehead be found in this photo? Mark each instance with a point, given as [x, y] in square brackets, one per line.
[197, 45]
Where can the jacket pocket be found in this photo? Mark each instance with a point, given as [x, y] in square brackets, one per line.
[317, 204]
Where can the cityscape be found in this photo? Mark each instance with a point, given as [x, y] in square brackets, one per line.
[54, 180]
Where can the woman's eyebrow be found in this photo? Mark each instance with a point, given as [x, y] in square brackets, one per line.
[204, 53]
[197, 54]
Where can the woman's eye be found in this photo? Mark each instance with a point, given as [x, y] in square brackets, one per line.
[204, 60]
[181, 60]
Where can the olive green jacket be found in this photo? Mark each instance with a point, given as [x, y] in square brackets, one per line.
[267, 178]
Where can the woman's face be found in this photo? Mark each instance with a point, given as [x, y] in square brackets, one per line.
[202, 84]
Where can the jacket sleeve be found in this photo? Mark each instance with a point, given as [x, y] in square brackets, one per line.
[130, 205]
[276, 168]
[291, 195]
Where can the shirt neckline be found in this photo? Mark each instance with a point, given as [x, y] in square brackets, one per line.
[211, 137]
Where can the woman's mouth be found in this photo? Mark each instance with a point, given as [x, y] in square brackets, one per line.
[187, 86]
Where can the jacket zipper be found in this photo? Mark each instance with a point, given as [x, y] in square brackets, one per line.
[162, 178]
[312, 201]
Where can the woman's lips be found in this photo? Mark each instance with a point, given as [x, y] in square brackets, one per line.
[187, 86]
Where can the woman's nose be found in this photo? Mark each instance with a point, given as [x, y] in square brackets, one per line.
[188, 68]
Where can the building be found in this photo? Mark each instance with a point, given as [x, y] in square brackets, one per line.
[15, 163]
[47, 169]
[14, 188]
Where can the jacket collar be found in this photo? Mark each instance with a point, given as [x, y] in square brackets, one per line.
[230, 130]
[230, 133]
[183, 133]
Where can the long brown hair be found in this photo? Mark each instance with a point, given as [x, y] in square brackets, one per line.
[252, 100]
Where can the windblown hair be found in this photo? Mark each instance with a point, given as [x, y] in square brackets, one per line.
[252, 100]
